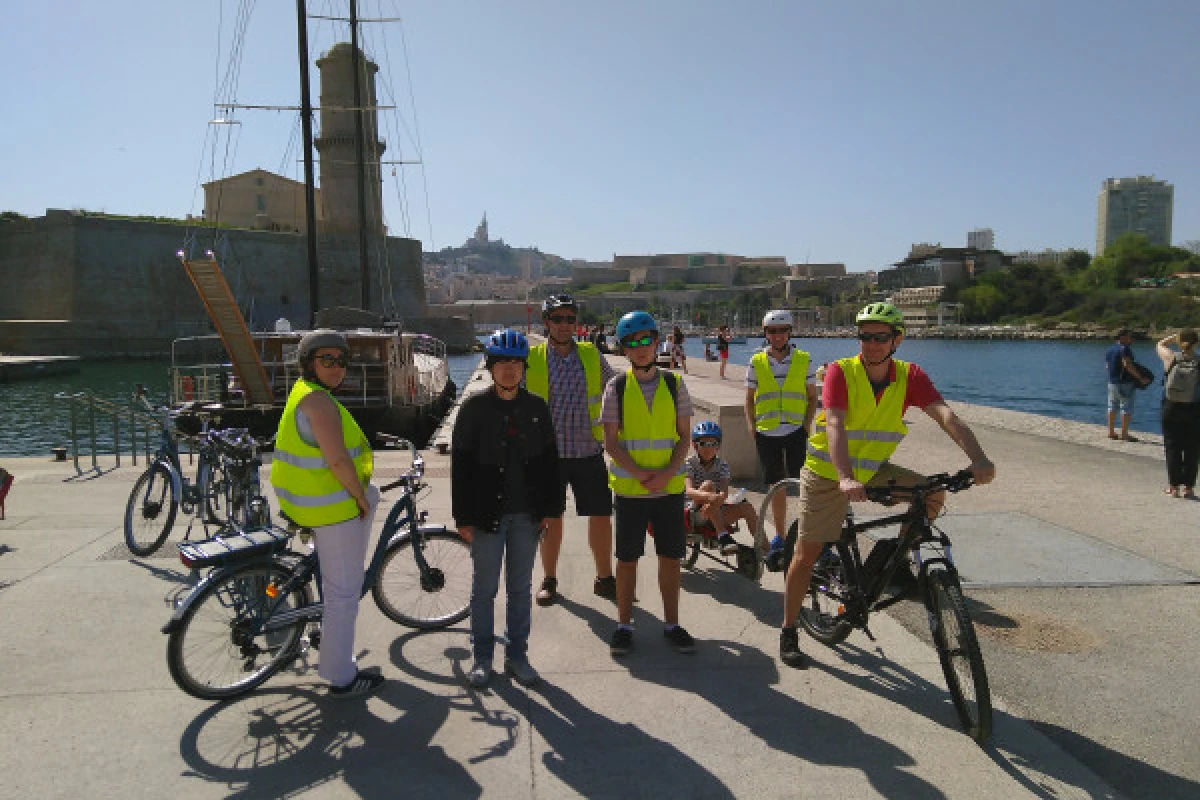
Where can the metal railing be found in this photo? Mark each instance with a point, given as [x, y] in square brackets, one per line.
[86, 407]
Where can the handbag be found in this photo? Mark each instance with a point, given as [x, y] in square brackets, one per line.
[1141, 375]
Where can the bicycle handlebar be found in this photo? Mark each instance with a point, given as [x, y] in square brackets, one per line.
[959, 481]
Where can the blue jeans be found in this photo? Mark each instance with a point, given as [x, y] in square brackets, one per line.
[515, 543]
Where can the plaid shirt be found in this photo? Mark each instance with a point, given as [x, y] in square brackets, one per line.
[568, 403]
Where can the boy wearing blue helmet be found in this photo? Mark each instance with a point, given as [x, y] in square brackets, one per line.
[504, 490]
[647, 416]
[708, 489]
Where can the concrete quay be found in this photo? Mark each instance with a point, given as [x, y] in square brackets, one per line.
[15, 368]
[1095, 687]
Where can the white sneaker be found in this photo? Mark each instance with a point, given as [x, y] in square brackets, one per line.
[522, 672]
[479, 675]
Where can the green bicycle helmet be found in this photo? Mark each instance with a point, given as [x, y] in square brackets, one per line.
[886, 313]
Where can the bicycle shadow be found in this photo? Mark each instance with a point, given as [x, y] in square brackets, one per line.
[1010, 748]
[730, 588]
[284, 741]
[745, 692]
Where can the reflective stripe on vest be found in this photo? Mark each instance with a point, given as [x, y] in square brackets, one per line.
[649, 435]
[306, 488]
[774, 405]
[537, 379]
[872, 430]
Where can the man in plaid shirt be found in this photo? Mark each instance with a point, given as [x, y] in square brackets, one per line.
[571, 377]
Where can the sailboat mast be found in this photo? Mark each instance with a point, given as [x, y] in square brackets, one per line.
[356, 68]
[310, 205]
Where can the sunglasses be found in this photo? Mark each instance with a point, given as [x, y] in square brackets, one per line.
[507, 360]
[333, 361]
[863, 336]
[778, 330]
[708, 444]
[562, 319]
[645, 341]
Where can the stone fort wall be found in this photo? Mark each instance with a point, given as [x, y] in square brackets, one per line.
[71, 284]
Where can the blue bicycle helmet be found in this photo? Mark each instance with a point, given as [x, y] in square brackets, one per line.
[507, 344]
[633, 322]
[706, 430]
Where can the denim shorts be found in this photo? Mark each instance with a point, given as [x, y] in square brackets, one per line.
[1121, 394]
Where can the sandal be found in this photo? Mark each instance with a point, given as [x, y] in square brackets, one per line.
[1171, 491]
[1186, 494]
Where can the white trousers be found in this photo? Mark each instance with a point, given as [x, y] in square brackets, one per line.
[342, 549]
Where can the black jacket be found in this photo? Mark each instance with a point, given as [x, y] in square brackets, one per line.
[478, 459]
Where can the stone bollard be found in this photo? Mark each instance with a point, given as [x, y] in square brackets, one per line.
[60, 453]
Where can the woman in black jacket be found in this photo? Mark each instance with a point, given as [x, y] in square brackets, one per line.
[504, 486]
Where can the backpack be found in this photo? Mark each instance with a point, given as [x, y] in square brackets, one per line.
[1180, 379]
[672, 386]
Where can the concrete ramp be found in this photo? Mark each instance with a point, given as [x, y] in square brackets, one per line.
[1010, 549]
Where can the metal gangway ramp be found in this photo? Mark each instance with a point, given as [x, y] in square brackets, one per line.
[218, 300]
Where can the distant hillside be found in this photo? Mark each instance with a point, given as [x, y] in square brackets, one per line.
[497, 258]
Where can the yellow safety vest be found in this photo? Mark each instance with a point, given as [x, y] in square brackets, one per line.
[774, 405]
[873, 431]
[649, 436]
[307, 490]
[537, 379]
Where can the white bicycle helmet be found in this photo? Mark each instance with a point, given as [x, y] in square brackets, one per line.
[778, 316]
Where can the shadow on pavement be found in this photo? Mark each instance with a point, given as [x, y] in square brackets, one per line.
[281, 742]
[780, 721]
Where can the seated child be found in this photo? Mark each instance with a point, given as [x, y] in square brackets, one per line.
[708, 487]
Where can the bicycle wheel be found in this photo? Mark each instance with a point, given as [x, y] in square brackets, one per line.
[692, 553]
[212, 480]
[151, 510]
[958, 650]
[433, 600]
[216, 653]
[822, 615]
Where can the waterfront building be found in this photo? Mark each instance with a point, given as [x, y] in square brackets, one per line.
[934, 265]
[981, 239]
[1045, 256]
[1139, 205]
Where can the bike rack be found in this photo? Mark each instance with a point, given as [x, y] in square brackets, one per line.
[87, 406]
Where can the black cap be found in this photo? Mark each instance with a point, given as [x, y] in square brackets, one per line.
[1124, 332]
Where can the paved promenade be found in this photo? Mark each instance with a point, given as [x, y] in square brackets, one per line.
[89, 707]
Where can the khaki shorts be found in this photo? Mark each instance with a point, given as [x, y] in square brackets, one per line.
[823, 505]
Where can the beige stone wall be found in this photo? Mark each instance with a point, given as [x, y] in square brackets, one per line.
[258, 199]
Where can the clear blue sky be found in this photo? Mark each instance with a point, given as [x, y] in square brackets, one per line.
[826, 131]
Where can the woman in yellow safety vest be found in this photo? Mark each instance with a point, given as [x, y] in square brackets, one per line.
[321, 473]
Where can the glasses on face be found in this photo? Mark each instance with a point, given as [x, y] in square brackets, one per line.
[864, 336]
[644, 341]
[332, 361]
[773, 331]
[707, 443]
[562, 319]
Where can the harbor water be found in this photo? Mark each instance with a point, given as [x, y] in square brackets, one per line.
[1063, 379]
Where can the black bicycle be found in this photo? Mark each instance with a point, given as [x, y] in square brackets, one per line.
[260, 607]
[845, 590]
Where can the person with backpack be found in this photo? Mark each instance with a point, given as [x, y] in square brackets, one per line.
[647, 416]
[1121, 387]
[1180, 411]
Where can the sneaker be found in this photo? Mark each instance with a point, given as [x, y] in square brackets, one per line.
[680, 639]
[549, 591]
[606, 587]
[363, 683]
[479, 675]
[728, 545]
[522, 672]
[622, 641]
[789, 649]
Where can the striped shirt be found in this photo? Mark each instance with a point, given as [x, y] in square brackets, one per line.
[717, 472]
[568, 403]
